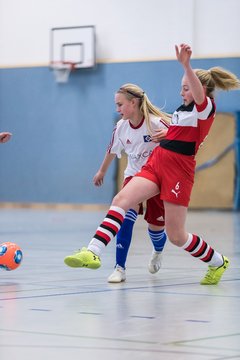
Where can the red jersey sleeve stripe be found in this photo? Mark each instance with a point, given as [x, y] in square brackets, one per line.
[164, 123]
[112, 141]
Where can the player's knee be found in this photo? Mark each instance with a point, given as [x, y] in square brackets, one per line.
[121, 201]
[176, 237]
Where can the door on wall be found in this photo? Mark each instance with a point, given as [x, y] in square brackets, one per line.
[215, 170]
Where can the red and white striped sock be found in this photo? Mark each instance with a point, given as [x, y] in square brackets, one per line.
[107, 230]
[198, 248]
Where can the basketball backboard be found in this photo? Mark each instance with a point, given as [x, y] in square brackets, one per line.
[73, 44]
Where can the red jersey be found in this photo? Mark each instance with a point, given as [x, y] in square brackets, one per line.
[189, 127]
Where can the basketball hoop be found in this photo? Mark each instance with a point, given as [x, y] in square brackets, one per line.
[62, 70]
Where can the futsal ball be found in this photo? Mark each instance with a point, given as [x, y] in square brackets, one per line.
[10, 256]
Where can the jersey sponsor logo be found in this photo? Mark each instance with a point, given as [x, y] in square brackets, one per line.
[139, 156]
[147, 138]
[176, 190]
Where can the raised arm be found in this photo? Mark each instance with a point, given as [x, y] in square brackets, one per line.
[183, 53]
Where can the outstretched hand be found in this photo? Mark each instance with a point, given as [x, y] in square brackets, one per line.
[159, 135]
[98, 178]
[5, 136]
[183, 53]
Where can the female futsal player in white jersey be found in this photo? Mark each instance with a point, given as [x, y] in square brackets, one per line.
[139, 131]
[170, 169]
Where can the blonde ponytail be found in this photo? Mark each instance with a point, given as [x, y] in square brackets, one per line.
[217, 78]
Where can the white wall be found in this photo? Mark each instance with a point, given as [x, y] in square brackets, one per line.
[127, 30]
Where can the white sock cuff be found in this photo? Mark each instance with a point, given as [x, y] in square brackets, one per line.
[118, 209]
[96, 246]
[188, 242]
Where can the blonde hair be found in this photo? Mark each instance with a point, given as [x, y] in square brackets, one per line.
[146, 107]
[217, 78]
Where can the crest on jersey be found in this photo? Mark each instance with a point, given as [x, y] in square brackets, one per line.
[147, 138]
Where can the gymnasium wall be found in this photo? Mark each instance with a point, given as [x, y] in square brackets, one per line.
[133, 30]
[60, 131]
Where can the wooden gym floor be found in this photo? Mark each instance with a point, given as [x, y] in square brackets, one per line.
[48, 310]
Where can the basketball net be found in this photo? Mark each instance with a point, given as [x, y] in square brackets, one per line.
[62, 70]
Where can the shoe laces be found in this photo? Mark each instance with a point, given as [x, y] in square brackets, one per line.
[119, 268]
[211, 272]
[80, 250]
[156, 255]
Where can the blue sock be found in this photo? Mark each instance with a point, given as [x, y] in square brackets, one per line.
[158, 239]
[124, 237]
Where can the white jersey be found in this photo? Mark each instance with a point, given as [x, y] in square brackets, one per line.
[135, 142]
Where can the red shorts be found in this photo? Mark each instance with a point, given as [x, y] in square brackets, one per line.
[173, 173]
[154, 213]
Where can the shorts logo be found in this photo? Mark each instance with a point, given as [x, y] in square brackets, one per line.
[176, 190]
